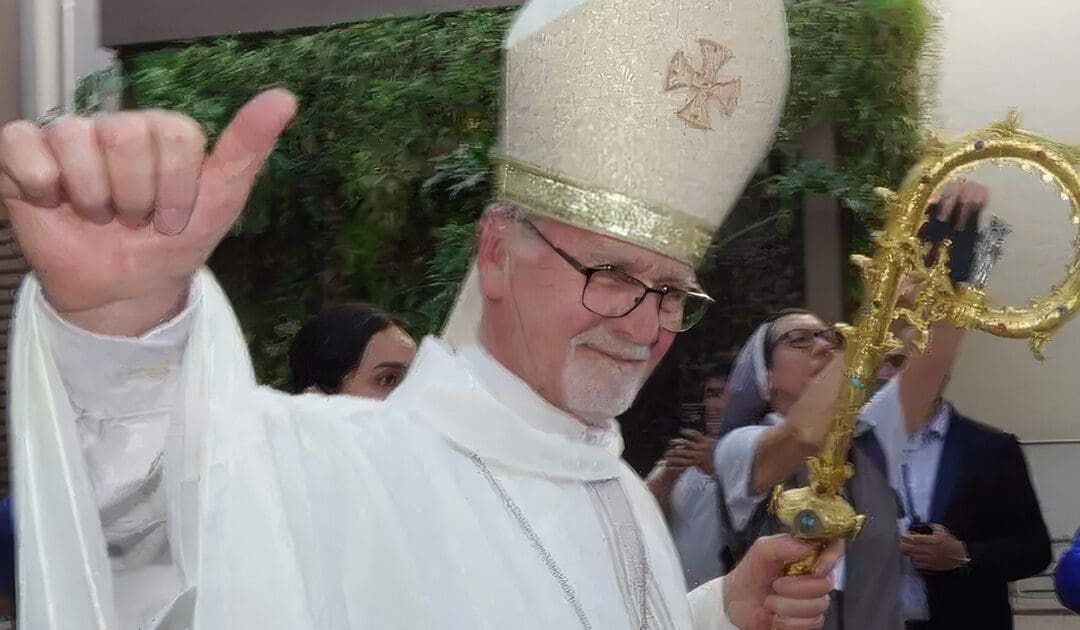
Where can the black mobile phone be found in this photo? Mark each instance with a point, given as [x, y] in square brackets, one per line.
[692, 417]
[922, 529]
[962, 250]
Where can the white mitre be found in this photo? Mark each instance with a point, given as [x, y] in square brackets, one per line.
[638, 119]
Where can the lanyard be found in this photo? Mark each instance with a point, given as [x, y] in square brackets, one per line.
[910, 495]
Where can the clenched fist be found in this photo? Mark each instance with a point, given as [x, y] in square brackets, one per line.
[759, 597]
[116, 212]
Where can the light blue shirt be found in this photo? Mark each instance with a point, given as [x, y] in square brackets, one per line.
[921, 459]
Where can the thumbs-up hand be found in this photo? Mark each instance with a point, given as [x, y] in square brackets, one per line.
[116, 212]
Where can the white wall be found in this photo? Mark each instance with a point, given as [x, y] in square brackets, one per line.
[10, 71]
[997, 54]
[88, 57]
[59, 45]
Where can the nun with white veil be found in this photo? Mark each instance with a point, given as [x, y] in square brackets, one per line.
[701, 529]
[785, 374]
[790, 366]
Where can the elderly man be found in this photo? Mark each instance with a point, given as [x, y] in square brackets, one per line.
[158, 488]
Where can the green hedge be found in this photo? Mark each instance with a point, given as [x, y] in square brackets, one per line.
[373, 191]
[386, 157]
[868, 68]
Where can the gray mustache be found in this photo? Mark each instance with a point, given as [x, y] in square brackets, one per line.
[627, 352]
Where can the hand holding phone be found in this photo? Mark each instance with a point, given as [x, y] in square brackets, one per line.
[954, 215]
[922, 529]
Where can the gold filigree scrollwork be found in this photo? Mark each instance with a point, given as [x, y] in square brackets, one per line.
[817, 513]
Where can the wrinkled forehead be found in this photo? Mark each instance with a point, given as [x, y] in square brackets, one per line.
[592, 250]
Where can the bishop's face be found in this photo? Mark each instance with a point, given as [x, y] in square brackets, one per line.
[537, 325]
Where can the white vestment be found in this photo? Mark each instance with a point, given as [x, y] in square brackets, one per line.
[72, 553]
[464, 501]
[694, 517]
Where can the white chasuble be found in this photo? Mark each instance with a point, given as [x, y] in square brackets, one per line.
[464, 501]
[444, 507]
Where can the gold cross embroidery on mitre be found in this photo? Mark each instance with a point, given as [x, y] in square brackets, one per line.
[707, 87]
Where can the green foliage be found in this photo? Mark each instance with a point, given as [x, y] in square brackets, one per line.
[373, 192]
[387, 159]
[446, 270]
[857, 65]
[867, 67]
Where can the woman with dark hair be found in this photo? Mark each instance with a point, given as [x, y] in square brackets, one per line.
[351, 349]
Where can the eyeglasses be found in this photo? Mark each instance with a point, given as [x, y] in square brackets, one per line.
[806, 338]
[610, 293]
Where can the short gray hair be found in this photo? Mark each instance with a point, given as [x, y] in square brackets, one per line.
[505, 210]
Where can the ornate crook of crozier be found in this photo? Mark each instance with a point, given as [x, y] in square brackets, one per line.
[817, 513]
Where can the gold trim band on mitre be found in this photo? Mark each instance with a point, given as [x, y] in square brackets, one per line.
[649, 225]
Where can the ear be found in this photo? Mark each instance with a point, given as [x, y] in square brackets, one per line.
[493, 255]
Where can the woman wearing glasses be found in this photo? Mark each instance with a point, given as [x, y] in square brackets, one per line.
[786, 374]
[783, 384]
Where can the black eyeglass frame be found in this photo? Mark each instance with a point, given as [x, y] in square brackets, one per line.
[663, 291]
[837, 340]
